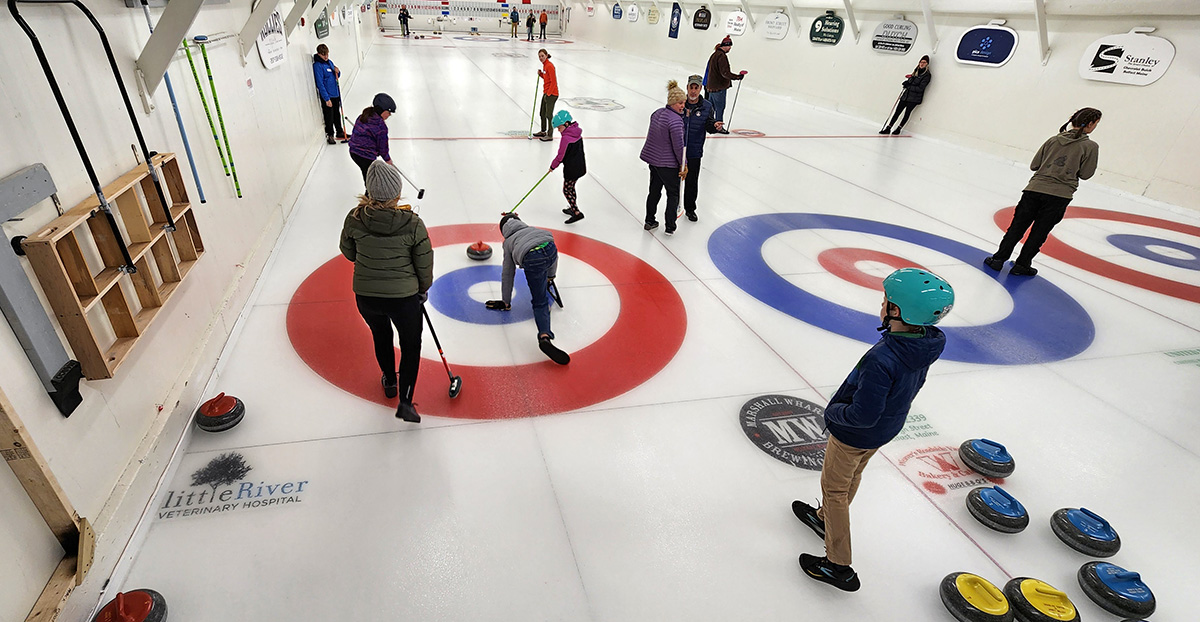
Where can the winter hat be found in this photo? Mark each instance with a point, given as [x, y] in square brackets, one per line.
[383, 102]
[726, 41]
[675, 94]
[383, 181]
[695, 79]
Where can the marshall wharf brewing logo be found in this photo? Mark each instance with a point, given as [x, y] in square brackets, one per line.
[221, 486]
[788, 428]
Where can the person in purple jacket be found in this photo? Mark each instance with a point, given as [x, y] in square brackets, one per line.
[570, 155]
[369, 140]
[663, 151]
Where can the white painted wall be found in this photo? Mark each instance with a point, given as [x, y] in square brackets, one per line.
[110, 452]
[1150, 136]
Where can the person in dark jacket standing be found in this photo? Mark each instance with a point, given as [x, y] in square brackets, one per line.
[529, 21]
[1059, 163]
[870, 408]
[326, 75]
[718, 78]
[515, 16]
[663, 151]
[370, 137]
[393, 270]
[699, 121]
[570, 155]
[532, 250]
[914, 85]
[404, 16]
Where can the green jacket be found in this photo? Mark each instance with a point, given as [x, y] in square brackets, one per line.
[391, 253]
[1061, 162]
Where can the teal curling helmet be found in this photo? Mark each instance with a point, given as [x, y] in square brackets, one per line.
[924, 298]
[562, 117]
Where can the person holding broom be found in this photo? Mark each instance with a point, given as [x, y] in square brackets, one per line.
[914, 85]
[570, 156]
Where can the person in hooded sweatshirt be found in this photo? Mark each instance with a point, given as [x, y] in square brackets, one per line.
[326, 75]
[393, 270]
[1059, 165]
[533, 250]
[913, 94]
[369, 140]
[571, 157]
[869, 410]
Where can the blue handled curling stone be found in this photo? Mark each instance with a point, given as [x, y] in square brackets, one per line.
[1086, 532]
[986, 457]
[971, 598]
[220, 413]
[479, 251]
[997, 509]
[1037, 601]
[142, 605]
[1116, 590]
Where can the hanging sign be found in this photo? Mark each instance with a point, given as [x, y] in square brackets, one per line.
[991, 45]
[827, 29]
[653, 15]
[616, 10]
[701, 18]
[777, 25]
[633, 12]
[321, 24]
[735, 24]
[272, 45]
[591, 9]
[894, 37]
[676, 16]
[1132, 58]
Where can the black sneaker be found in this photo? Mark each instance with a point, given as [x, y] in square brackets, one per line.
[330, 140]
[886, 130]
[808, 515]
[568, 211]
[670, 231]
[546, 139]
[650, 226]
[576, 216]
[896, 132]
[825, 571]
[390, 386]
[407, 412]
[556, 355]
[994, 264]
[692, 216]
[538, 134]
[1020, 270]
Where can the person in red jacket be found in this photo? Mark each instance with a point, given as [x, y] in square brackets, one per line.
[543, 19]
[549, 95]
[718, 78]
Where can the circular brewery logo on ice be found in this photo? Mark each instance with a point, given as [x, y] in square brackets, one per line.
[599, 104]
[788, 428]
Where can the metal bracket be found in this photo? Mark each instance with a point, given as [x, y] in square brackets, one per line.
[249, 33]
[929, 25]
[749, 15]
[1043, 37]
[850, 18]
[293, 17]
[160, 48]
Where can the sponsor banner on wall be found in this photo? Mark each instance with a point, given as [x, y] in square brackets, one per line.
[896, 36]
[321, 24]
[1131, 58]
[701, 18]
[735, 24]
[633, 12]
[991, 45]
[827, 29]
[676, 17]
[272, 45]
[652, 16]
[777, 26]
[616, 10]
[591, 9]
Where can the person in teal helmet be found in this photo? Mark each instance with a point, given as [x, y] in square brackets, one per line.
[870, 408]
[570, 156]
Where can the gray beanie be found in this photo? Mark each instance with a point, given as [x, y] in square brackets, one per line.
[383, 181]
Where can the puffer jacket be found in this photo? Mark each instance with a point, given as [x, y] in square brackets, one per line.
[914, 87]
[699, 119]
[390, 248]
[370, 138]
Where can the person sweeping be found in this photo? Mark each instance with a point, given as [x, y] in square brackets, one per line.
[570, 156]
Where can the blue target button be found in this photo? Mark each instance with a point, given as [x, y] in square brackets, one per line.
[1142, 246]
[450, 295]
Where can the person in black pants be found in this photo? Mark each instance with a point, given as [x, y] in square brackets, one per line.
[700, 120]
[404, 16]
[914, 91]
[393, 270]
[326, 75]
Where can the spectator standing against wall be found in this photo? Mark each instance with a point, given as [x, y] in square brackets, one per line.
[326, 75]
[914, 85]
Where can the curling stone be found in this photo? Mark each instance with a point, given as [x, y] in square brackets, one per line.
[971, 598]
[1116, 590]
[142, 605]
[997, 509]
[220, 413]
[1086, 532]
[986, 457]
[1038, 601]
[479, 251]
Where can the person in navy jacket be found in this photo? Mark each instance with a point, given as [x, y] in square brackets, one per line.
[700, 120]
[326, 75]
[870, 409]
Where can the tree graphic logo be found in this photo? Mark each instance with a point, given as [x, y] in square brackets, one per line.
[223, 470]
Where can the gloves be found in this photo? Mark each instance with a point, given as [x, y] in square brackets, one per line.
[908, 75]
[743, 72]
[497, 305]
[423, 296]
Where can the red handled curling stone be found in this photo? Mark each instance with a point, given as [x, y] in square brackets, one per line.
[220, 413]
[479, 251]
[144, 605]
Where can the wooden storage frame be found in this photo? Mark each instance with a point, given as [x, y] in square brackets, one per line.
[74, 287]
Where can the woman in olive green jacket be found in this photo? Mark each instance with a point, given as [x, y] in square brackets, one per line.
[393, 270]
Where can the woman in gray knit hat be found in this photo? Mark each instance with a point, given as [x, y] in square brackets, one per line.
[393, 270]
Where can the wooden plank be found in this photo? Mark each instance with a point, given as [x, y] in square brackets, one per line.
[106, 241]
[165, 260]
[76, 266]
[144, 285]
[130, 208]
[54, 597]
[56, 284]
[183, 240]
[35, 476]
[158, 215]
[145, 316]
[174, 182]
[118, 351]
[86, 550]
[197, 242]
[104, 282]
[119, 314]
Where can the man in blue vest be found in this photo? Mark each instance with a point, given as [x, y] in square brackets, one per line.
[699, 120]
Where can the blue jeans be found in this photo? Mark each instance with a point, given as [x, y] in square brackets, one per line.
[718, 101]
[537, 264]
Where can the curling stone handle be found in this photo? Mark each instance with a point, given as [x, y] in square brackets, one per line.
[993, 444]
[1094, 516]
[1049, 591]
[1128, 576]
[1004, 493]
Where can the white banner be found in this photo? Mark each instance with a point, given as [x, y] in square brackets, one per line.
[777, 26]
[633, 12]
[894, 37]
[1131, 58]
[652, 16]
[272, 45]
[735, 24]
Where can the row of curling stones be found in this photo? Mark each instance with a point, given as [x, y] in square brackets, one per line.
[220, 413]
[144, 605]
[971, 598]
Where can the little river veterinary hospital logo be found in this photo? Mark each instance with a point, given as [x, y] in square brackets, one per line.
[221, 486]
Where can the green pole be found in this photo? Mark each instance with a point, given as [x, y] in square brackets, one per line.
[539, 182]
[533, 113]
[204, 100]
[220, 119]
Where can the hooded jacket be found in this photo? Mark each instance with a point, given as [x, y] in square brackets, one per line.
[1061, 162]
[520, 238]
[699, 119]
[718, 76]
[871, 406]
[914, 87]
[370, 138]
[391, 252]
[325, 75]
[570, 153]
